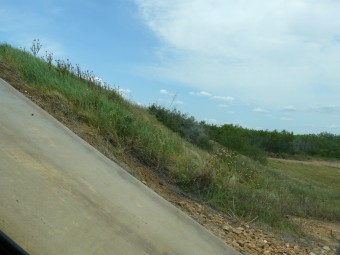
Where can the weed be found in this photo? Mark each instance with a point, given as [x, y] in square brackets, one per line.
[36, 46]
[78, 72]
[64, 67]
[49, 59]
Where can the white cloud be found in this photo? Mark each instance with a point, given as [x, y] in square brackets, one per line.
[334, 126]
[260, 110]
[166, 92]
[223, 98]
[264, 51]
[171, 100]
[201, 93]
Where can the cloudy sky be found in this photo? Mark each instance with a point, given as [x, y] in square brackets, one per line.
[255, 63]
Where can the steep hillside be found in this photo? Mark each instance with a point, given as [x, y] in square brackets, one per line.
[241, 189]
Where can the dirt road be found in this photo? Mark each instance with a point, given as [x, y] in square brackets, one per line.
[58, 195]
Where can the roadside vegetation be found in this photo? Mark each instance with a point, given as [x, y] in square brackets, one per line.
[195, 156]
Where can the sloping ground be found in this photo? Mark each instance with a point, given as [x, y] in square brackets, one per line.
[241, 236]
[327, 232]
[61, 196]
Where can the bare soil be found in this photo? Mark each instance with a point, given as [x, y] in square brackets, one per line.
[245, 237]
[327, 232]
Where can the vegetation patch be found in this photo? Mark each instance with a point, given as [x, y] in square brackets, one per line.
[256, 144]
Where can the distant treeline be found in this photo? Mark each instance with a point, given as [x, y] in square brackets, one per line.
[257, 144]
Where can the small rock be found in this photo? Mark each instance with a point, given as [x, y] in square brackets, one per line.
[235, 244]
[237, 231]
[264, 245]
[240, 243]
[251, 245]
[226, 228]
[326, 248]
[311, 253]
[317, 250]
[182, 203]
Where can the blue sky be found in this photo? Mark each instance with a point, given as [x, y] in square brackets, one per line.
[259, 64]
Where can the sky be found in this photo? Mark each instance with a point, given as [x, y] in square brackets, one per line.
[255, 63]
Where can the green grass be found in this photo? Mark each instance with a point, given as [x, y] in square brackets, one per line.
[315, 174]
[233, 183]
[319, 181]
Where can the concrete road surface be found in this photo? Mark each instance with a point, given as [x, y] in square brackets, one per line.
[58, 195]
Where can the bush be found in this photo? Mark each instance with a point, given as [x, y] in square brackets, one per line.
[187, 127]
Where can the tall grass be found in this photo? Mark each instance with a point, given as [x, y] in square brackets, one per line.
[235, 184]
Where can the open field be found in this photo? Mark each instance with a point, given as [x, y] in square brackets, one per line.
[325, 174]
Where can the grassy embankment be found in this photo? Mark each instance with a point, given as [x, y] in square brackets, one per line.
[321, 175]
[233, 183]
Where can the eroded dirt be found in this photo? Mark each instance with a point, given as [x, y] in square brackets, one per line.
[327, 232]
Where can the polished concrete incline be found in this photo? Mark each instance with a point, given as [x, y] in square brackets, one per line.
[58, 195]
